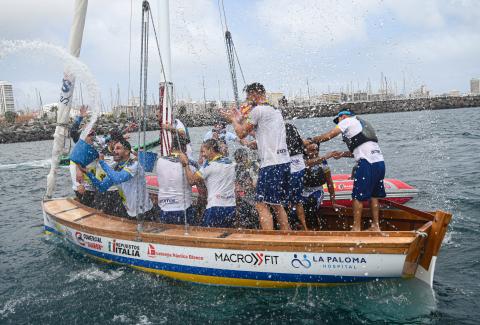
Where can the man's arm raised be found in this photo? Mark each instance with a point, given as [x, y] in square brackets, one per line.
[327, 136]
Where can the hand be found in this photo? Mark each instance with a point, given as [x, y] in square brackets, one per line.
[229, 114]
[168, 127]
[81, 189]
[126, 136]
[334, 154]
[84, 111]
[132, 126]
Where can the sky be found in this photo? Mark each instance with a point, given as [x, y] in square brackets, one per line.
[331, 44]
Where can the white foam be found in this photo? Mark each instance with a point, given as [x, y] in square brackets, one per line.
[9, 307]
[45, 163]
[95, 274]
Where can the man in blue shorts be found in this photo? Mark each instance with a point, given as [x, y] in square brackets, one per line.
[361, 141]
[273, 177]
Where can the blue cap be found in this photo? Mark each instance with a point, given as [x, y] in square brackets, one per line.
[341, 113]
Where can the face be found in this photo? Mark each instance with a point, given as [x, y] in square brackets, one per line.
[120, 153]
[207, 153]
[89, 139]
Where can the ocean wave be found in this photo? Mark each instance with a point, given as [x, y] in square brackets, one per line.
[45, 163]
[10, 305]
[95, 274]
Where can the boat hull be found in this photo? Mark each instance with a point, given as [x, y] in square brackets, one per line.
[235, 267]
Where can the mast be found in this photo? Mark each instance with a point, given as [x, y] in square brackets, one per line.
[166, 85]
[65, 102]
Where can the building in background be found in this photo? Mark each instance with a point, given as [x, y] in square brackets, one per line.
[7, 102]
[475, 86]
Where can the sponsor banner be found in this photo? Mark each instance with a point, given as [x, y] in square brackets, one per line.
[305, 263]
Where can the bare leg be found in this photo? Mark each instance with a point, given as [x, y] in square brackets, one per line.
[264, 216]
[281, 216]
[301, 215]
[357, 215]
[375, 214]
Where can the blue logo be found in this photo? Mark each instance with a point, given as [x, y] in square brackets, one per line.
[296, 263]
[66, 85]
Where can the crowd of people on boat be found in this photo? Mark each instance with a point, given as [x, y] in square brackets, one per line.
[282, 189]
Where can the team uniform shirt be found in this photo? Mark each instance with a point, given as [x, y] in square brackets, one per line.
[87, 184]
[135, 186]
[179, 126]
[370, 150]
[270, 135]
[219, 177]
[174, 191]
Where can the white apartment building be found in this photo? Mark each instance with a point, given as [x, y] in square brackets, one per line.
[7, 103]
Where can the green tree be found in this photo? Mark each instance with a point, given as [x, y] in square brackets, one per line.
[10, 116]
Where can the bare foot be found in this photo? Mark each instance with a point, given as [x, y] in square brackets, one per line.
[354, 228]
[374, 228]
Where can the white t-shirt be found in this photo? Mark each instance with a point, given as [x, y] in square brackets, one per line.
[135, 186]
[270, 135]
[181, 127]
[219, 177]
[174, 191]
[297, 163]
[86, 181]
[369, 150]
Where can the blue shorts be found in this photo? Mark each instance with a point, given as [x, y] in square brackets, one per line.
[295, 185]
[316, 196]
[221, 217]
[177, 217]
[368, 180]
[272, 184]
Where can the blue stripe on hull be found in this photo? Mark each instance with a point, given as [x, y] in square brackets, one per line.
[267, 276]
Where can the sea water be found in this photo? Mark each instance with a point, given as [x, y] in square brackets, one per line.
[44, 280]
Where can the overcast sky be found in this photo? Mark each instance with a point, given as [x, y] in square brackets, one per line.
[280, 43]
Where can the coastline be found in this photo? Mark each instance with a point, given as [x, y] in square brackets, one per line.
[39, 130]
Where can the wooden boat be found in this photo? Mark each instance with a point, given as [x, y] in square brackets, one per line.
[407, 247]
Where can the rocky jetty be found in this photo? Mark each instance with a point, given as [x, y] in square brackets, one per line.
[37, 130]
[43, 130]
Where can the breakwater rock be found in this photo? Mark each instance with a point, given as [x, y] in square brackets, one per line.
[37, 130]
[43, 130]
[383, 106]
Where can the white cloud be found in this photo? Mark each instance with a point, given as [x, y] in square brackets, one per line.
[425, 13]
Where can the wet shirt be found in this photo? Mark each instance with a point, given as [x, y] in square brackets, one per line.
[270, 135]
[370, 150]
[179, 126]
[219, 177]
[174, 191]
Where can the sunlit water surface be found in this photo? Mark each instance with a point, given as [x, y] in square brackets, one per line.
[44, 280]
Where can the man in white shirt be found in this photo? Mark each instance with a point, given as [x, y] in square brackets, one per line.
[273, 177]
[174, 190]
[368, 178]
[218, 174]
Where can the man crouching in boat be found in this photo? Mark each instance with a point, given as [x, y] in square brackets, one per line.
[368, 178]
[174, 191]
[129, 177]
[270, 135]
[218, 174]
